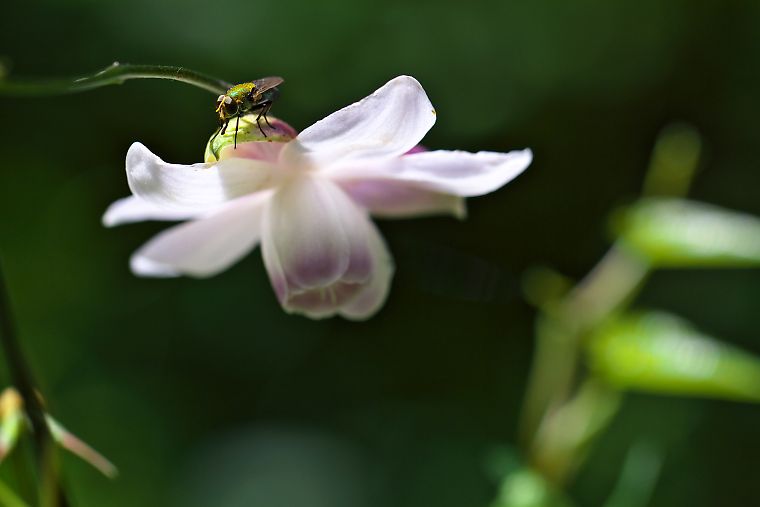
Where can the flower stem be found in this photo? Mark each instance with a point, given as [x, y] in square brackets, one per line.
[23, 380]
[114, 74]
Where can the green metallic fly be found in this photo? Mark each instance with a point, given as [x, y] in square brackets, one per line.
[244, 98]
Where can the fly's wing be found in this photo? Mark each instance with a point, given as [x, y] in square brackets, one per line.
[267, 83]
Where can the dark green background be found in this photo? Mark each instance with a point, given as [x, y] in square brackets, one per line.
[205, 393]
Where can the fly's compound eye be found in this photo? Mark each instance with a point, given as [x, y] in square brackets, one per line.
[227, 105]
[230, 108]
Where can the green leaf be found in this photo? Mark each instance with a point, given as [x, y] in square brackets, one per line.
[661, 353]
[681, 233]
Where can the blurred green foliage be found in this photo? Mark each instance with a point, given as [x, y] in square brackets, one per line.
[526, 488]
[11, 421]
[679, 233]
[206, 392]
[664, 354]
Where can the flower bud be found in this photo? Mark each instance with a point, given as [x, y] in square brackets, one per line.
[221, 146]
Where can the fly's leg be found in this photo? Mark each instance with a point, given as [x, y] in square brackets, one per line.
[263, 112]
[237, 122]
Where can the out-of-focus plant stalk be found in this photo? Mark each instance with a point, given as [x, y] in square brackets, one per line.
[613, 283]
[114, 74]
[50, 492]
[674, 161]
[553, 402]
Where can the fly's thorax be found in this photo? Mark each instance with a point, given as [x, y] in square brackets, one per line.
[238, 100]
[239, 92]
[250, 141]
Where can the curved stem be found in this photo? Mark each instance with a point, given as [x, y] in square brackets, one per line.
[114, 74]
[23, 380]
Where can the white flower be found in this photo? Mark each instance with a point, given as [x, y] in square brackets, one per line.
[307, 201]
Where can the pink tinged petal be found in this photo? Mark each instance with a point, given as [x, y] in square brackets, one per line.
[280, 128]
[452, 172]
[272, 260]
[352, 300]
[204, 247]
[316, 236]
[398, 199]
[375, 291]
[417, 149]
[273, 128]
[192, 187]
[133, 209]
[387, 123]
[322, 302]
[316, 247]
[254, 150]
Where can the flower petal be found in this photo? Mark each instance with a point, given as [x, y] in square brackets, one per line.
[397, 199]
[314, 236]
[133, 209]
[373, 293]
[322, 302]
[204, 247]
[387, 123]
[353, 300]
[452, 172]
[192, 187]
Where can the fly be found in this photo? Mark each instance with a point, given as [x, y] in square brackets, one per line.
[245, 98]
